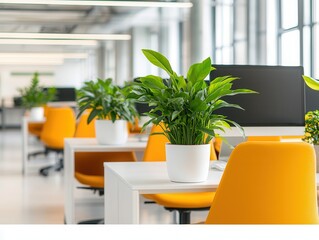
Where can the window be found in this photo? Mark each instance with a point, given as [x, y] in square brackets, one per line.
[224, 31]
[267, 32]
[298, 34]
[289, 35]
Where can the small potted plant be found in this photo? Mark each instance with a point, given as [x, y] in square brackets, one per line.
[108, 104]
[185, 107]
[312, 132]
[34, 98]
[312, 121]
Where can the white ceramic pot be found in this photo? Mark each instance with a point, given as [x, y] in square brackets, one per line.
[37, 113]
[188, 163]
[107, 132]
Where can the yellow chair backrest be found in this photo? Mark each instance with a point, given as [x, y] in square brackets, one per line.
[155, 149]
[264, 138]
[59, 124]
[267, 183]
[83, 129]
[134, 128]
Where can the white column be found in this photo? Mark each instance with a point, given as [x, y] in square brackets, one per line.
[169, 37]
[141, 38]
[122, 63]
[100, 56]
[200, 30]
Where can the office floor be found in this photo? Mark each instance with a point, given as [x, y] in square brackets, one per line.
[34, 199]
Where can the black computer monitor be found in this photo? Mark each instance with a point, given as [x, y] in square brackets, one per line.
[281, 98]
[65, 94]
[312, 99]
[142, 108]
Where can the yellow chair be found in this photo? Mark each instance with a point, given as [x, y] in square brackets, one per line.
[264, 138]
[267, 183]
[89, 165]
[60, 124]
[134, 128]
[89, 170]
[217, 145]
[184, 203]
[35, 129]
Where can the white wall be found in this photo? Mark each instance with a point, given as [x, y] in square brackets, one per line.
[70, 74]
[9, 82]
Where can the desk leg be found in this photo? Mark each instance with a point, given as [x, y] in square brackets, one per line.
[25, 151]
[69, 184]
[121, 202]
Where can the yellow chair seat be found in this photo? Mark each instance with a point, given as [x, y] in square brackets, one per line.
[35, 128]
[183, 200]
[90, 180]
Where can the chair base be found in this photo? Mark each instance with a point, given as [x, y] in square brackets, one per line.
[34, 154]
[185, 213]
[101, 193]
[94, 189]
[57, 167]
[93, 221]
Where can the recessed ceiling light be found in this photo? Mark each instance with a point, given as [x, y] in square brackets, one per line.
[91, 43]
[5, 61]
[30, 55]
[66, 36]
[104, 3]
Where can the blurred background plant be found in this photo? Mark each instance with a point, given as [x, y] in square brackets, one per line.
[36, 95]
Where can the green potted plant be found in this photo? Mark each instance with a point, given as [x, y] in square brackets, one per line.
[34, 97]
[312, 132]
[108, 104]
[185, 107]
[312, 121]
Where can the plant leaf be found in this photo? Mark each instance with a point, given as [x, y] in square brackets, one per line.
[311, 82]
[199, 71]
[158, 60]
[153, 82]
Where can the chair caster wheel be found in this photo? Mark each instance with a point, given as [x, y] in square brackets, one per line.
[44, 172]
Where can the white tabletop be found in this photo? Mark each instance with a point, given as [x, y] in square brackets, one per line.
[152, 177]
[125, 182]
[91, 144]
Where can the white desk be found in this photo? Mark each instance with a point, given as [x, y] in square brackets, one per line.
[124, 182]
[25, 145]
[72, 145]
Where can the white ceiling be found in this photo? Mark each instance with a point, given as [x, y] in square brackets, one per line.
[55, 19]
[52, 19]
[68, 19]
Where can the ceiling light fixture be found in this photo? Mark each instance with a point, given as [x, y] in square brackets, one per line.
[30, 55]
[91, 43]
[104, 3]
[42, 62]
[66, 36]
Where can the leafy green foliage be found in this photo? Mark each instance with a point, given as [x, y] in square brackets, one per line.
[312, 127]
[105, 101]
[185, 107]
[34, 95]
